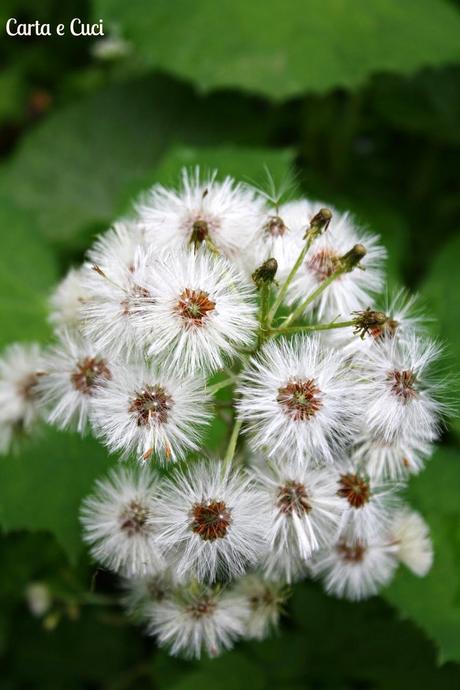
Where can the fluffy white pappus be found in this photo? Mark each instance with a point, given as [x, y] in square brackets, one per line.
[393, 460]
[204, 311]
[211, 522]
[297, 396]
[142, 590]
[150, 412]
[367, 504]
[264, 601]
[119, 249]
[67, 301]
[113, 294]
[399, 317]
[414, 547]
[75, 370]
[350, 291]
[355, 570]
[116, 522]
[280, 237]
[197, 620]
[21, 368]
[398, 392]
[225, 215]
[304, 514]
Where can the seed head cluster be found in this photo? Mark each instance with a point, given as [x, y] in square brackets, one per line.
[329, 401]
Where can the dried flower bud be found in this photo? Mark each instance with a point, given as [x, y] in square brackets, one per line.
[351, 259]
[265, 273]
[371, 322]
[319, 223]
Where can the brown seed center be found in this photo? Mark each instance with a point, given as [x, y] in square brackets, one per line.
[27, 387]
[351, 553]
[194, 305]
[323, 263]
[152, 403]
[293, 498]
[355, 489]
[204, 607]
[275, 226]
[403, 384]
[300, 400]
[264, 599]
[200, 230]
[88, 373]
[137, 295]
[211, 520]
[133, 518]
[157, 589]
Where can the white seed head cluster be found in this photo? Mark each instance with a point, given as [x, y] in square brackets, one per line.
[212, 286]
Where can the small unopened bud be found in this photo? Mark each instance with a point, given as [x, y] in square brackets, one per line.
[73, 611]
[351, 259]
[51, 621]
[319, 223]
[265, 274]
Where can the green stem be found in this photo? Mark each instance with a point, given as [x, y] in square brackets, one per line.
[220, 384]
[299, 310]
[312, 327]
[265, 290]
[264, 302]
[283, 289]
[230, 454]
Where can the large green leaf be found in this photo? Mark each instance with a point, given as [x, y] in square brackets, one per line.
[433, 602]
[258, 166]
[281, 48]
[42, 487]
[427, 104]
[72, 170]
[27, 272]
[441, 292]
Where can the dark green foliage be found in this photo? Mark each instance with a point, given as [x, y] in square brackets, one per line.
[356, 104]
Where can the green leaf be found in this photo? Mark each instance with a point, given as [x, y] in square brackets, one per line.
[72, 170]
[441, 292]
[251, 165]
[433, 602]
[42, 487]
[12, 94]
[282, 48]
[27, 273]
[232, 671]
[428, 104]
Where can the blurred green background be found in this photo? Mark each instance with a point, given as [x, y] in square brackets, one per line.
[355, 102]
